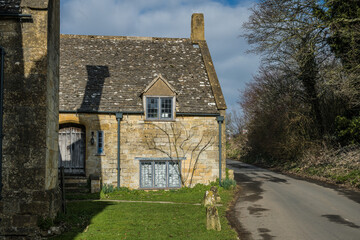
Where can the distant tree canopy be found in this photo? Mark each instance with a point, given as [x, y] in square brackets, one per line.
[309, 73]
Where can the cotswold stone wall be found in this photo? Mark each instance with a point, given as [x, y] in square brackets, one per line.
[137, 141]
[30, 141]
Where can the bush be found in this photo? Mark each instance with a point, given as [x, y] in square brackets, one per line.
[228, 183]
[107, 188]
[348, 130]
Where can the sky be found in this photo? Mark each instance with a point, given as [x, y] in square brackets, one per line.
[172, 18]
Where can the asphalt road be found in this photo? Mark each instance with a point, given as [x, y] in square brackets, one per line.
[275, 206]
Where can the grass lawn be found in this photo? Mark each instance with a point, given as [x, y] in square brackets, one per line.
[182, 195]
[126, 220]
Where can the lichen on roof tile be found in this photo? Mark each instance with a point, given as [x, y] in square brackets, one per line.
[10, 6]
[118, 69]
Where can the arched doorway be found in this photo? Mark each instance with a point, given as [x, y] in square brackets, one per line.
[72, 149]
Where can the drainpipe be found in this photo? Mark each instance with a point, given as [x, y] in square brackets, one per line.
[220, 120]
[1, 110]
[119, 116]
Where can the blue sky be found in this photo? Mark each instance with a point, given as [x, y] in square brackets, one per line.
[172, 18]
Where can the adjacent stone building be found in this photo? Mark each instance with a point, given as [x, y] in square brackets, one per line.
[141, 112]
[29, 45]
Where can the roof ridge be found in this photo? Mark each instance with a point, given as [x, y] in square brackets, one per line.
[122, 37]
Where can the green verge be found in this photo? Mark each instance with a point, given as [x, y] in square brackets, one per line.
[141, 220]
[333, 170]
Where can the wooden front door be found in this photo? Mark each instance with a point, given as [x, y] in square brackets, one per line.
[72, 150]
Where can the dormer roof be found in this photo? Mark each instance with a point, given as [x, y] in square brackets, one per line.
[159, 87]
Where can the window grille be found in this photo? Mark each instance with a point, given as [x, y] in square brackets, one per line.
[160, 174]
[100, 142]
[152, 108]
[159, 108]
[166, 108]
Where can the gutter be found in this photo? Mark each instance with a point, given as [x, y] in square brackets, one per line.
[220, 120]
[138, 112]
[100, 112]
[15, 15]
[1, 110]
[197, 114]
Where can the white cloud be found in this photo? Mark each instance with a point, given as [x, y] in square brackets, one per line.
[164, 18]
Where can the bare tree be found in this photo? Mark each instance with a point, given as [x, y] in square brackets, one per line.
[176, 141]
[278, 121]
[235, 124]
[293, 40]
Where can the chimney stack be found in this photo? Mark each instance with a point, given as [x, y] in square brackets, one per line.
[197, 26]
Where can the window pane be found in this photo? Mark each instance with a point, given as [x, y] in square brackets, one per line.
[174, 174]
[152, 107]
[160, 175]
[146, 175]
[166, 108]
[100, 143]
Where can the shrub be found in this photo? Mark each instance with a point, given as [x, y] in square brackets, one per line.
[107, 188]
[348, 130]
[228, 183]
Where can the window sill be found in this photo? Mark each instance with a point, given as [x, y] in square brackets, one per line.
[159, 120]
[166, 188]
[100, 154]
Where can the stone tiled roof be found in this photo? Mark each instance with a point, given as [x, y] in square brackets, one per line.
[10, 6]
[99, 73]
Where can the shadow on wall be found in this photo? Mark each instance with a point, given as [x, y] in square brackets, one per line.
[72, 153]
[24, 120]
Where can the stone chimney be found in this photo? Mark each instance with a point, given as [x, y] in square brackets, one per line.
[197, 26]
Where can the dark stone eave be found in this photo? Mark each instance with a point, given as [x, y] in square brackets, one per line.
[210, 69]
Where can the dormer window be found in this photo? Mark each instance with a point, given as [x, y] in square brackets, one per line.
[159, 108]
[159, 100]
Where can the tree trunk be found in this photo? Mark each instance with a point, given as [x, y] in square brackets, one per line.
[308, 77]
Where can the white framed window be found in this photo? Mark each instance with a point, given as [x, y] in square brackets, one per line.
[100, 142]
[160, 108]
[160, 174]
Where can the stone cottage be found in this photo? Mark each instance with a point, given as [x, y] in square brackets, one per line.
[141, 112]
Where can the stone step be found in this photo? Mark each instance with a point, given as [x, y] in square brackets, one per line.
[75, 176]
[74, 184]
[76, 190]
[76, 180]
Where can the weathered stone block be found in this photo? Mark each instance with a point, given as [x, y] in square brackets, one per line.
[24, 220]
[34, 208]
[212, 219]
[95, 185]
[27, 178]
